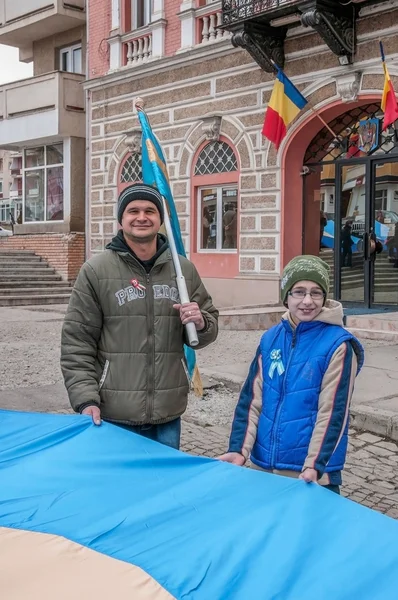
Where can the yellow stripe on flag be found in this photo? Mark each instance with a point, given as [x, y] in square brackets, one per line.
[282, 105]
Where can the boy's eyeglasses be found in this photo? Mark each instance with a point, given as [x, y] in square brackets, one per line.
[301, 294]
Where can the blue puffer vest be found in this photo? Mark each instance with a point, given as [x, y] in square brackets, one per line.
[291, 392]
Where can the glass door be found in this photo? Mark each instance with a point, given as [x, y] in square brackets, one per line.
[383, 239]
[351, 235]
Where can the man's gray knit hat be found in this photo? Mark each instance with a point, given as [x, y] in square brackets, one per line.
[305, 268]
[139, 191]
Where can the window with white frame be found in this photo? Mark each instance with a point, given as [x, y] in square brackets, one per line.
[218, 220]
[43, 188]
[217, 205]
[1, 187]
[140, 13]
[71, 59]
[381, 199]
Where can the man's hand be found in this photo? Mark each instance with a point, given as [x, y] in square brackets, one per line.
[309, 475]
[190, 313]
[94, 412]
[235, 458]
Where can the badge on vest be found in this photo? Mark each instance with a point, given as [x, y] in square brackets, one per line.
[276, 364]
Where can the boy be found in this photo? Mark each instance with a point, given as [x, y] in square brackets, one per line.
[292, 413]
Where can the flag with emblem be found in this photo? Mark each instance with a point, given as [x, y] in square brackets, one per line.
[154, 172]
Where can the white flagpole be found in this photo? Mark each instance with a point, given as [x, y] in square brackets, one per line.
[181, 284]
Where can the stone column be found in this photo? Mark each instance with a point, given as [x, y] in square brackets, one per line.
[158, 27]
[187, 17]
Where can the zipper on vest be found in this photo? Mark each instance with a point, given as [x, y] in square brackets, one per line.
[280, 401]
[151, 352]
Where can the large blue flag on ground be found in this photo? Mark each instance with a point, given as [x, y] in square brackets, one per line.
[154, 172]
[100, 512]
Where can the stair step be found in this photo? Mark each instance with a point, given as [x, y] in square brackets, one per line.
[38, 284]
[25, 272]
[37, 264]
[35, 276]
[30, 300]
[374, 334]
[23, 260]
[15, 252]
[27, 291]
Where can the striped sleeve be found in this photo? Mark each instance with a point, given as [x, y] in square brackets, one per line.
[248, 409]
[333, 407]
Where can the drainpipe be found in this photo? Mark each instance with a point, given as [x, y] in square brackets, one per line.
[88, 144]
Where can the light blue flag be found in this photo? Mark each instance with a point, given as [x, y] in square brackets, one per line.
[154, 172]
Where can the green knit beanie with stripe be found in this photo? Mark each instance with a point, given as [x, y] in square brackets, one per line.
[305, 268]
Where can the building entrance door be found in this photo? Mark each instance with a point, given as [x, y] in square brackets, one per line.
[351, 198]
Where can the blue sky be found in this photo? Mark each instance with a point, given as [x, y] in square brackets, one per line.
[10, 68]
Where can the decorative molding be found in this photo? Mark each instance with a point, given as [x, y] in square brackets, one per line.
[348, 86]
[264, 44]
[211, 127]
[133, 140]
[335, 26]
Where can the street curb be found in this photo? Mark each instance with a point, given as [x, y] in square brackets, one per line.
[379, 421]
[375, 420]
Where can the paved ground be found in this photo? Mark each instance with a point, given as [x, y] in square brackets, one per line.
[30, 379]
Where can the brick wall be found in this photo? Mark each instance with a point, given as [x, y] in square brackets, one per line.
[98, 31]
[173, 28]
[64, 252]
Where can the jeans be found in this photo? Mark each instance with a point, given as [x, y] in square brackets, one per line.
[333, 488]
[166, 433]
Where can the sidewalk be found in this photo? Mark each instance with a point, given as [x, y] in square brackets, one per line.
[375, 400]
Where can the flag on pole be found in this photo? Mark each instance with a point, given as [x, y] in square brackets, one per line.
[389, 103]
[154, 172]
[285, 104]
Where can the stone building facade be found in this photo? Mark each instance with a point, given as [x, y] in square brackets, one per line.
[206, 101]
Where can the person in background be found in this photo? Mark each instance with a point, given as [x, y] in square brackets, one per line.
[396, 246]
[206, 221]
[323, 223]
[229, 222]
[293, 411]
[346, 245]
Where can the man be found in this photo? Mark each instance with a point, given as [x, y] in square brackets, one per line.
[293, 411]
[346, 245]
[229, 222]
[122, 341]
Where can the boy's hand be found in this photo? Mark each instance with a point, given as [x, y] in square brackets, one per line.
[309, 475]
[235, 458]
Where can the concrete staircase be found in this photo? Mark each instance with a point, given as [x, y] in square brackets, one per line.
[386, 277]
[27, 279]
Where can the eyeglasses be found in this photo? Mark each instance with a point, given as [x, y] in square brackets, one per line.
[301, 294]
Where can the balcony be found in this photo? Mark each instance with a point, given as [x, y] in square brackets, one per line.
[25, 21]
[260, 26]
[237, 11]
[41, 109]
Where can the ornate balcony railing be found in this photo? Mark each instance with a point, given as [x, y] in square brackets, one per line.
[235, 11]
[138, 50]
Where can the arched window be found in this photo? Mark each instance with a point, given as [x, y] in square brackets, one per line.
[132, 169]
[216, 191]
[216, 157]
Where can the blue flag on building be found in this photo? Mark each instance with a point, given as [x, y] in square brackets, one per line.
[154, 172]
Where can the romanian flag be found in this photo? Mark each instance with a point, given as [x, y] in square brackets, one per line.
[154, 172]
[285, 104]
[389, 103]
[90, 512]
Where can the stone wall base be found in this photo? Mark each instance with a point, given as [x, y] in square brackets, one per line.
[244, 291]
